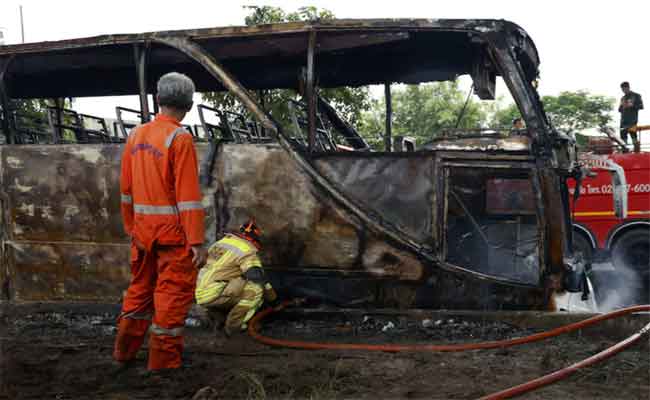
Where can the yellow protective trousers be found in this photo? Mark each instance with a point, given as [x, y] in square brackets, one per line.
[240, 308]
[222, 284]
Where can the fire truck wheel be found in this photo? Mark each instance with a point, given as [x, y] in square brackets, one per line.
[632, 249]
[581, 244]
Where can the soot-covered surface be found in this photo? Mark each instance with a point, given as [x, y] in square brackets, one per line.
[393, 329]
[65, 354]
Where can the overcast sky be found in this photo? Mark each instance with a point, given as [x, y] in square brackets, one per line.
[592, 45]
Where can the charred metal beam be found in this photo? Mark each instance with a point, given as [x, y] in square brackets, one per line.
[198, 54]
[140, 54]
[388, 136]
[522, 91]
[58, 123]
[154, 101]
[4, 99]
[351, 135]
[309, 89]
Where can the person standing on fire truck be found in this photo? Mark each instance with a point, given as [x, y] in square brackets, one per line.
[163, 214]
[629, 108]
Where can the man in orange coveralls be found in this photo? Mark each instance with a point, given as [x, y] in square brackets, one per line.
[163, 215]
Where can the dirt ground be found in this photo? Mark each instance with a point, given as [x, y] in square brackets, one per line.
[46, 354]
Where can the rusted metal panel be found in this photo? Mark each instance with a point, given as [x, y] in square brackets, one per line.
[71, 271]
[62, 231]
[398, 188]
[62, 193]
[302, 227]
[263, 182]
[319, 215]
[64, 239]
[307, 235]
[62, 225]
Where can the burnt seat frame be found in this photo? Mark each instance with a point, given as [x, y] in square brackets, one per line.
[298, 112]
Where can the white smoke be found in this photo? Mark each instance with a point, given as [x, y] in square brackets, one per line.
[620, 288]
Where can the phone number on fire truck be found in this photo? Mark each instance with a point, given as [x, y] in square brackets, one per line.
[607, 189]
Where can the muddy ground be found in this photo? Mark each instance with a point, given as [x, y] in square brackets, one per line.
[65, 354]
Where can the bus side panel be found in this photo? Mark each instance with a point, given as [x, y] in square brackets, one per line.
[62, 231]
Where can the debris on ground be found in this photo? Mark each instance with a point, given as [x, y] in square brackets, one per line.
[64, 354]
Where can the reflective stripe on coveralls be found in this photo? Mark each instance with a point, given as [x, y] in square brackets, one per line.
[250, 263]
[189, 205]
[253, 304]
[172, 136]
[167, 210]
[236, 245]
[243, 311]
[208, 290]
[159, 330]
[159, 183]
[154, 210]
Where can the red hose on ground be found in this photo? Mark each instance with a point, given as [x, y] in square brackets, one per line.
[296, 344]
[504, 394]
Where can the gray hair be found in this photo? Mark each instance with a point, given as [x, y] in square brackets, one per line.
[175, 90]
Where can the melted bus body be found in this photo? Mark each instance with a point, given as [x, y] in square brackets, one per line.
[477, 219]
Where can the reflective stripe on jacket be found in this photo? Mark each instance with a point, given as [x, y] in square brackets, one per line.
[228, 260]
[160, 193]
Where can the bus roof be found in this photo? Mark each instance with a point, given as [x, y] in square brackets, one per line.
[347, 53]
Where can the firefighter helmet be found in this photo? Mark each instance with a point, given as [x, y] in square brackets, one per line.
[251, 230]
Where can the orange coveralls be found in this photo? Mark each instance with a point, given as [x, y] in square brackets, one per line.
[162, 210]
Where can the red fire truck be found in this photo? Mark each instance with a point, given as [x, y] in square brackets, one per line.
[621, 243]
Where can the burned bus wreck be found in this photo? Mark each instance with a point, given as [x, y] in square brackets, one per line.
[475, 219]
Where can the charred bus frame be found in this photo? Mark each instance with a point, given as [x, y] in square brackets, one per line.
[319, 54]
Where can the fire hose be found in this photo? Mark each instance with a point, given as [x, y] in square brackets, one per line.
[254, 325]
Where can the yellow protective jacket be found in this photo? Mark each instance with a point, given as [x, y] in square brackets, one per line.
[222, 279]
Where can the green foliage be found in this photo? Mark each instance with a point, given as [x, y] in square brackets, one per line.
[570, 112]
[421, 111]
[269, 15]
[33, 115]
[576, 111]
[349, 102]
[264, 15]
[503, 117]
[582, 140]
[33, 109]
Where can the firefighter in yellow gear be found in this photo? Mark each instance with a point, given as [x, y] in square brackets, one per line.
[233, 279]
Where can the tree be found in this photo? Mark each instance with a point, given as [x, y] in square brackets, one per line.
[421, 111]
[570, 112]
[503, 116]
[32, 114]
[349, 102]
